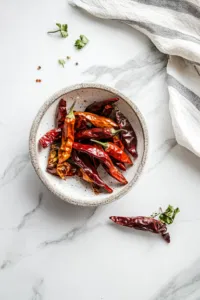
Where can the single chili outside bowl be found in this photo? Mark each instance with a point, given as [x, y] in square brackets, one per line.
[74, 190]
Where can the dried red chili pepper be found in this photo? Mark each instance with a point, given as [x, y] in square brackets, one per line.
[97, 107]
[67, 137]
[84, 163]
[107, 110]
[61, 113]
[120, 165]
[97, 121]
[50, 137]
[114, 151]
[96, 133]
[145, 224]
[66, 169]
[118, 142]
[53, 159]
[129, 137]
[103, 157]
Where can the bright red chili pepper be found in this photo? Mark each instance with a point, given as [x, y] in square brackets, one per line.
[50, 137]
[103, 157]
[97, 121]
[114, 151]
[67, 137]
[117, 141]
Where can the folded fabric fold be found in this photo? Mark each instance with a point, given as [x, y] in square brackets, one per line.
[174, 27]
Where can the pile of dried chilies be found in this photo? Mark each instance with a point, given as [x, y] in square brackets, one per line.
[82, 141]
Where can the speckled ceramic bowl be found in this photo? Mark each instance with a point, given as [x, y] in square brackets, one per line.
[74, 190]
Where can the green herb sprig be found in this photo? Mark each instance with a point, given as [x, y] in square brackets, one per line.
[80, 43]
[62, 62]
[168, 215]
[62, 28]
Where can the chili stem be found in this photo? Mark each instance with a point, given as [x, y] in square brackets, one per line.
[53, 31]
[71, 111]
[105, 145]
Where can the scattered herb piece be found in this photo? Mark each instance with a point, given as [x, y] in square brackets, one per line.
[62, 62]
[39, 67]
[76, 63]
[68, 57]
[80, 43]
[169, 215]
[63, 29]
[38, 80]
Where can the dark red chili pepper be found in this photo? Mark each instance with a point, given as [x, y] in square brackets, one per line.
[145, 224]
[129, 137]
[96, 133]
[103, 157]
[50, 137]
[80, 124]
[61, 113]
[97, 107]
[83, 162]
[114, 151]
[107, 110]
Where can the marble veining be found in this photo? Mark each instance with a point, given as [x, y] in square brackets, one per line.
[52, 250]
[28, 215]
[14, 168]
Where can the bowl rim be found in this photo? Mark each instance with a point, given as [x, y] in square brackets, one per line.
[33, 153]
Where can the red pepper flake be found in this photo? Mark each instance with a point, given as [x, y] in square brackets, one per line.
[39, 67]
[38, 80]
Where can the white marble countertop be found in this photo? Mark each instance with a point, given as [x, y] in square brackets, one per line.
[50, 250]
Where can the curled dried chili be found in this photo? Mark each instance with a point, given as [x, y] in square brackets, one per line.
[103, 157]
[145, 224]
[61, 113]
[97, 121]
[67, 137]
[96, 133]
[129, 137]
[51, 136]
[114, 151]
[98, 107]
[84, 163]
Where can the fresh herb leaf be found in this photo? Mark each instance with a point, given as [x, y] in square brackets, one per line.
[61, 62]
[80, 43]
[169, 215]
[84, 39]
[63, 29]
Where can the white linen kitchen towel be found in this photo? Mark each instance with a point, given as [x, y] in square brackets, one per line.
[174, 27]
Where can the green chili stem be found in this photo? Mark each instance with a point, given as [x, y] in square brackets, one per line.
[71, 111]
[105, 145]
[53, 31]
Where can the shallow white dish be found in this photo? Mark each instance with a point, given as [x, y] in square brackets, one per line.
[74, 190]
